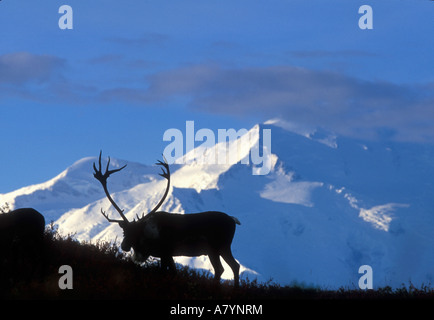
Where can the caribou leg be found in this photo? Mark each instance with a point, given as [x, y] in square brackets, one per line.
[235, 266]
[217, 265]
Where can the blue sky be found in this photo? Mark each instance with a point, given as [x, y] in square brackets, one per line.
[130, 70]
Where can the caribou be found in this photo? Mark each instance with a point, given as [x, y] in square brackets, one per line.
[21, 227]
[22, 247]
[20, 224]
[166, 235]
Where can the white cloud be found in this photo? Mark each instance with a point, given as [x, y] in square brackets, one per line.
[380, 216]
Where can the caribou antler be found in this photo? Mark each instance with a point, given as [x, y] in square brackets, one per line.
[103, 179]
[166, 175]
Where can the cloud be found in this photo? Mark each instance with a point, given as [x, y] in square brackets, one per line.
[23, 67]
[308, 54]
[332, 100]
[41, 78]
[151, 38]
[106, 59]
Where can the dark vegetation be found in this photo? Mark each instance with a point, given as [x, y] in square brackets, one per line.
[101, 271]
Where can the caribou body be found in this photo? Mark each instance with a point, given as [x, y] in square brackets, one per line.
[166, 235]
[21, 247]
[21, 225]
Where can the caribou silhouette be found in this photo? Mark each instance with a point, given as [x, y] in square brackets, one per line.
[21, 246]
[165, 235]
[25, 225]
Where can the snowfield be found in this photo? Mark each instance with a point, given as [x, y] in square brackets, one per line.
[329, 205]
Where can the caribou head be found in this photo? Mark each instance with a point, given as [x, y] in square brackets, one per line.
[165, 235]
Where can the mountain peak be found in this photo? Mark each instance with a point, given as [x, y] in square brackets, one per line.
[319, 214]
[307, 131]
[218, 152]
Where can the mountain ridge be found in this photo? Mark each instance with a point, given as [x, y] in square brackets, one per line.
[329, 205]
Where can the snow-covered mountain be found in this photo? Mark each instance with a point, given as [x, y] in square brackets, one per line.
[329, 205]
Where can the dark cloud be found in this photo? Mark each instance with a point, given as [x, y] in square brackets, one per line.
[22, 67]
[332, 100]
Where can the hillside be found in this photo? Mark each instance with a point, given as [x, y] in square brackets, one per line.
[329, 205]
[100, 271]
